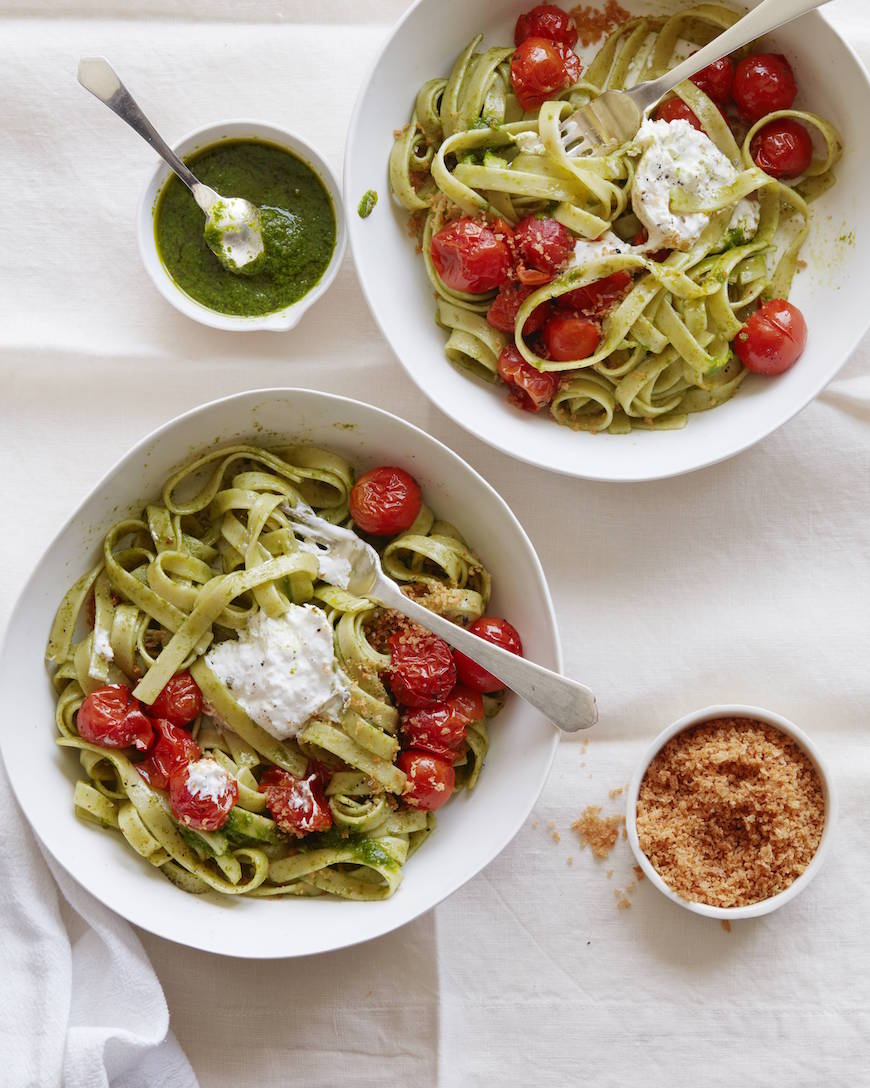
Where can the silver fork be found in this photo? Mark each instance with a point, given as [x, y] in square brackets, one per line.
[612, 119]
[566, 703]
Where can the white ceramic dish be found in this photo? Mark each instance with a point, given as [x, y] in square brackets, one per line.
[764, 906]
[472, 829]
[830, 291]
[280, 320]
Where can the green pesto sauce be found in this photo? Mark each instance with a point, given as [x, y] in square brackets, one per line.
[367, 204]
[366, 850]
[296, 214]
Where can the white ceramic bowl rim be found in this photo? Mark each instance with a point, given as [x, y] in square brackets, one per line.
[209, 136]
[226, 928]
[698, 717]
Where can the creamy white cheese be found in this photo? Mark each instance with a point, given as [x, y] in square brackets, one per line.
[676, 156]
[102, 645]
[207, 778]
[283, 671]
[334, 563]
[605, 246]
[744, 221]
[530, 143]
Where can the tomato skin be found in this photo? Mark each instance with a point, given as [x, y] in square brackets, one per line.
[543, 243]
[546, 21]
[530, 389]
[500, 633]
[641, 238]
[441, 729]
[421, 671]
[502, 313]
[783, 148]
[763, 82]
[201, 812]
[112, 718]
[179, 702]
[175, 748]
[675, 109]
[540, 69]
[568, 338]
[298, 805]
[470, 256]
[430, 779]
[598, 298]
[773, 339]
[716, 80]
[385, 501]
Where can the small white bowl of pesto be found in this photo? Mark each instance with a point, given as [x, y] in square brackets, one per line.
[300, 208]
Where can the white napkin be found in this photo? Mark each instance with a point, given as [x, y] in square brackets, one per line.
[83, 1007]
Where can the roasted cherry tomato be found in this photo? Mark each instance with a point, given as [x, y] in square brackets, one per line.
[546, 21]
[500, 633]
[502, 313]
[773, 339]
[112, 718]
[175, 748]
[179, 702]
[201, 794]
[298, 805]
[430, 779]
[675, 109]
[543, 243]
[530, 389]
[783, 148]
[567, 338]
[716, 80]
[532, 277]
[470, 256]
[598, 298]
[385, 501]
[421, 671]
[641, 238]
[540, 69]
[440, 729]
[763, 82]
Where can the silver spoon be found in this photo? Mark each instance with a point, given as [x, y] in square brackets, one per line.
[568, 704]
[232, 228]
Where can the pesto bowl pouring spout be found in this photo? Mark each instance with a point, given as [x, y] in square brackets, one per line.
[211, 136]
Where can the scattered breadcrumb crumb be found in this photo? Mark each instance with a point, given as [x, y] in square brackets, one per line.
[583, 763]
[609, 873]
[615, 793]
[534, 824]
[593, 23]
[598, 832]
[623, 904]
[726, 925]
[638, 872]
[570, 859]
[551, 824]
[730, 812]
[557, 837]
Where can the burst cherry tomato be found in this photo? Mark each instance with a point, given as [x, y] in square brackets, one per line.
[179, 702]
[773, 339]
[763, 83]
[440, 729]
[543, 243]
[421, 671]
[530, 389]
[430, 779]
[540, 69]
[783, 148]
[385, 501]
[500, 633]
[175, 748]
[716, 80]
[598, 298]
[298, 805]
[675, 109]
[641, 239]
[112, 718]
[567, 338]
[201, 794]
[470, 256]
[502, 313]
[546, 21]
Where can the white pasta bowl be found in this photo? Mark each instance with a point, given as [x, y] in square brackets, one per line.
[472, 829]
[207, 136]
[777, 721]
[830, 291]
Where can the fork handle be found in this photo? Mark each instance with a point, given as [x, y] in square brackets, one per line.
[767, 16]
[568, 704]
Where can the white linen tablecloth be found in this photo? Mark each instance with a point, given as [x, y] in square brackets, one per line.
[745, 582]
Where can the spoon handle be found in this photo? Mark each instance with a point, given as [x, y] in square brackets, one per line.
[568, 704]
[98, 76]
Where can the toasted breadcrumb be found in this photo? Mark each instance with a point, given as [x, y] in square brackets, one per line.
[726, 925]
[593, 23]
[623, 904]
[598, 832]
[615, 793]
[638, 872]
[730, 812]
[557, 837]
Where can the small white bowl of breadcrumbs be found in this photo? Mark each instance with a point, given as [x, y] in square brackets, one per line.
[731, 811]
